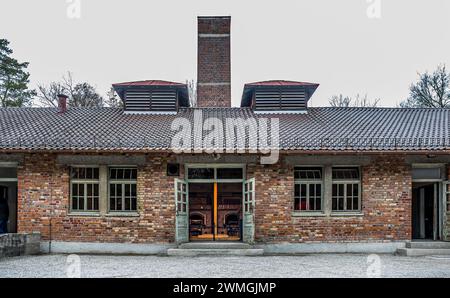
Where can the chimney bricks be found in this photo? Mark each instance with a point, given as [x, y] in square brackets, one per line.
[214, 62]
[62, 103]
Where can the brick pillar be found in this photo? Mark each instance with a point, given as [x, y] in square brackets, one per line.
[214, 62]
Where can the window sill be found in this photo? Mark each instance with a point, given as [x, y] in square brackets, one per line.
[346, 214]
[84, 214]
[122, 214]
[307, 214]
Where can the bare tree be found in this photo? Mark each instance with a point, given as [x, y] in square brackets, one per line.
[359, 101]
[84, 95]
[192, 89]
[340, 101]
[113, 99]
[80, 94]
[47, 94]
[431, 91]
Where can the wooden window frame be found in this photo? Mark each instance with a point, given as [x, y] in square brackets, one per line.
[85, 183]
[123, 183]
[345, 183]
[307, 183]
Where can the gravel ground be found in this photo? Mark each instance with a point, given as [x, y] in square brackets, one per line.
[325, 265]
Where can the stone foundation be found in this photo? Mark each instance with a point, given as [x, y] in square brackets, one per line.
[12, 245]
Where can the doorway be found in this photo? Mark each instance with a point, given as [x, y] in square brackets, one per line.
[215, 211]
[426, 211]
[215, 203]
[8, 191]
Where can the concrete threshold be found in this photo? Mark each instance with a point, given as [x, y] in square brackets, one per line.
[191, 252]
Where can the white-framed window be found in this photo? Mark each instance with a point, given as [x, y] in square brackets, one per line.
[122, 189]
[84, 189]
[308, 189]
[346, 190]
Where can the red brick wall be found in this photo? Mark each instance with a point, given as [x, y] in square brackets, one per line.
[44, 194]
[214, 63]
[386, 207]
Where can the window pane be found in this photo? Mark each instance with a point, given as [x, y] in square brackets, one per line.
[318, 204]
[89, 204]
[81, 190]
[75, 203]
[302, 203]
[89, 173]
[303, 190]
[230, 173]
[112, 204]
[318, 190]
[119, 204]
[74, 173]
[134, 174]
[312, 204]
[345, 173]
[74, 189]
[112, 190]
[89, 190]
[308, 173]
[127, 190]
[296, 203]
[341, 190]
[120, 174]
[355, 204]
[8, 172]
[355, 190]
[119, 190]
[127, 204]
[341, 204]
[113, 173]
[133, 190]
[201, 173]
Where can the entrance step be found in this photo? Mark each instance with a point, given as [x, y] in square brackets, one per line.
[428, 244]
[424, 248]
[215, 245]
[192, 252]
[417, 252]
[215, 249]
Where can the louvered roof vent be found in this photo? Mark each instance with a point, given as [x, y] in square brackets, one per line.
[152, 96]
[278, 96]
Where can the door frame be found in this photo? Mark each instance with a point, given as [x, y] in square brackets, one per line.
[10, 182]
[215, 180]
[446, 210]
[439, 226]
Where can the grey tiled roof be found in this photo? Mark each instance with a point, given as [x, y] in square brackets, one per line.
[362, 129]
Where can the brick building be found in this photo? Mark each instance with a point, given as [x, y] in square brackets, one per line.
[272, 172]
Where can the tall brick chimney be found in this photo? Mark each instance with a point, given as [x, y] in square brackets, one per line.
[214, 62]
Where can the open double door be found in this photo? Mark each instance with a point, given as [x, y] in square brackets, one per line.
[182, 211]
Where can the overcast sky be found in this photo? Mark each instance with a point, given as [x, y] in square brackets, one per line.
[347, 46]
